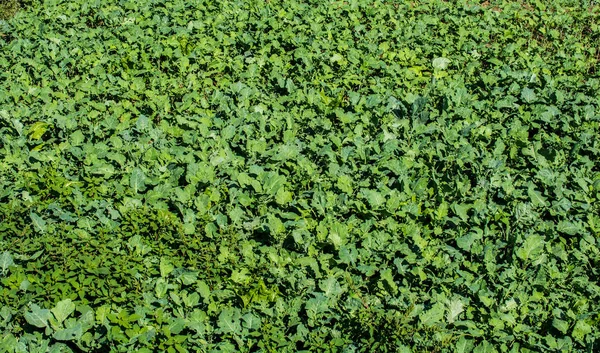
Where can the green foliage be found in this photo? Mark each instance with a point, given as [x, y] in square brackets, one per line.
[8, 8]
[284, 176]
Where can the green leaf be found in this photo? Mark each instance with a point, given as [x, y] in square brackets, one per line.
[344, 183]
[137, 180]
[38, 223]
[189, 277]
[528, 95]
[286, 152]
[348, 254]
[433, 316]
[240, 276]
[319, 304]
[536, 197]
[229, 321]
[251, 321]
[69, 334]
[272, 183]
[581, 330]
[142, 123]
[38, 317]
[6, 260]
[455, 308]
[464, 345]
[466, 241]
[375, 198]
[461, 210]
[531, 248]
[37, 130]
[191, 300]
[196, 321]
[174, 327]
[331, 287]
[102, 169]
[244, 179]
[338, 234]
[204, 290]
[77, 138]
[283, 197]
[377, 176]
[161, 287]
[485, 347]
[560, 325]
[388, 277]
[569, 228]
[166, 267]
[63, 309]
[441, 63]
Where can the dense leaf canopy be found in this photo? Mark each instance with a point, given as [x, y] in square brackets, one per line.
[283, 176]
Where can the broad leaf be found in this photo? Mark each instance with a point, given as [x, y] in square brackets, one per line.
[6, 260]
[63, 309]
[38, 222]
[38, 317]
[137, 180]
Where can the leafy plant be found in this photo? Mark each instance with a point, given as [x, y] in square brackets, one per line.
[284, 176]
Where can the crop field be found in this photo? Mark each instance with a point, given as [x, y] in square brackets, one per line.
[299, 176]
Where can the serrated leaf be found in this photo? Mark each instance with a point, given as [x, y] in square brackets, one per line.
[455, 308]
[330, 287]
[38, 222]
[485, 347]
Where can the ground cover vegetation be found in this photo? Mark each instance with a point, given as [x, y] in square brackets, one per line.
[283, 176]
